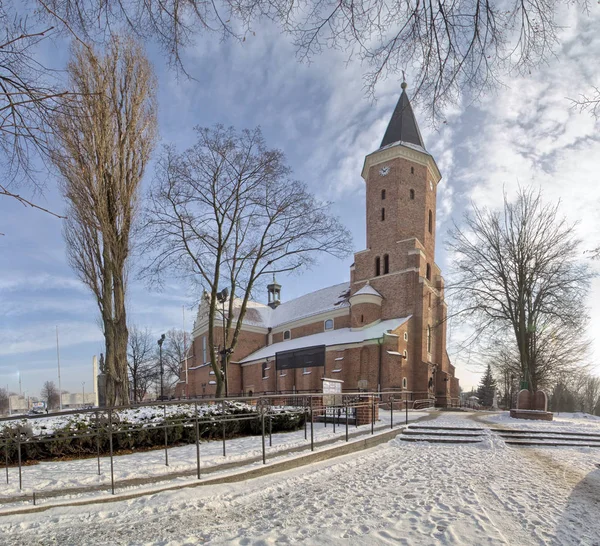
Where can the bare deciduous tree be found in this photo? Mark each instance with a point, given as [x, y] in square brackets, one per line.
[4, 402]
[174, 350]
[226, 212]
[141, 361]
[519, 279]
[448, 46]
[50, 395]
[102, 149]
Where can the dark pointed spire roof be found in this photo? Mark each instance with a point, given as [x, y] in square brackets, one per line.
[403, 125]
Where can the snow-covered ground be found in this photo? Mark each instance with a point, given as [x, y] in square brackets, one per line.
[562, 422]
[396, 493]
[65, 475]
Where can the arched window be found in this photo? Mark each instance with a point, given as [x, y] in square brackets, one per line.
[382, 195]
[377, 266]
[329, 324]
[404, 383]
[382, 214]
[430, 222]
[264, 370]
[428, 272]
[287, 335]
[428, 339]
[412, 195]
[386, 264]
[405, 336]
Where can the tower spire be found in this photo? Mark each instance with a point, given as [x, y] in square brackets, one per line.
[403, 125]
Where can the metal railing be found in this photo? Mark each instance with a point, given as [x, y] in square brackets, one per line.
[104, 425]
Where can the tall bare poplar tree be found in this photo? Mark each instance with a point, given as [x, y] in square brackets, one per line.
[519, 278]
[225, 214]
[103, 145]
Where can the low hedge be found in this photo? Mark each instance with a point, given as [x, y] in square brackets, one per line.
[131, 433]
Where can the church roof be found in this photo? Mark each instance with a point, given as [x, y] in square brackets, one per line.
[368, 289]
[341, 336]
[317, 302]
[403, 126]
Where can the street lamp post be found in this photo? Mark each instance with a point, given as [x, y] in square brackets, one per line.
[162, 370]
[222, 298]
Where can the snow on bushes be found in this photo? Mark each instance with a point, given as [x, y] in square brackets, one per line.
[136, 428]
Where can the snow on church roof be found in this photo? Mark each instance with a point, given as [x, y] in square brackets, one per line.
[368, 289]
[327, 299]
[317, 302]
[341, 336]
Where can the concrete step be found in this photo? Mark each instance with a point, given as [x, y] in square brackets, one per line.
[438, 440]
[538, 432]
[440, 433]
[430, 427]
[549, 444]
[548, 437]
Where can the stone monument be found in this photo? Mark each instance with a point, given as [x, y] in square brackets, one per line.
[532, 405]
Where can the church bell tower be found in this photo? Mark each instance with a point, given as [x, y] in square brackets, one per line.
[401, 183]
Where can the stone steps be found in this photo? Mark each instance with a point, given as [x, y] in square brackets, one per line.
[442, 435]
[549, 443]
[545, 432]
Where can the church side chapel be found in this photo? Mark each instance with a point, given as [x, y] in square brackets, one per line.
[383, 330]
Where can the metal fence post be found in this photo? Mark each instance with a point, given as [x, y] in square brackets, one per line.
[305, 422]
[312, 426]
[98, 441]
[270, 430]
[197, 439]
[223, 422]
[406, 402]
[372, 415]
[166, 441]
[333, 420]
[19, 455]
[6, 456]
[262, 418]
[110, 445]
[346, 421]
[391, 411]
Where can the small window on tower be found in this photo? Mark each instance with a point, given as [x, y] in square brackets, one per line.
[430, 222]
[429, 300]
[429, 339]
[404, 382]
[412, 170]
[412, 195]
[377, 266]
[287, 334]
[382, 195]
[386, 264]
[362, 318]
[264, 371]
[428, 272]
[382, 215]
[329, 324]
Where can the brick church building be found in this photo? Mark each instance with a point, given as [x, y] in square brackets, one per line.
[383, 330]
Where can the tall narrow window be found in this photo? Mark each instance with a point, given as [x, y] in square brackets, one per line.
[264, 371]
[382, 195]
[428, 272]
[204, 359]
[412, 170]
[412, 195]
[430, 222]
[428, 339]
[382, 215]
[386, 264]
[377, 266]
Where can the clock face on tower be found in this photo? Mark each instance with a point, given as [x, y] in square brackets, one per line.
[384, 171]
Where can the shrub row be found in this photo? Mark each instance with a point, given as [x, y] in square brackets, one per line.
[131, 435]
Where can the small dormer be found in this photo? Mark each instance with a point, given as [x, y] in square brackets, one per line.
[274, 290]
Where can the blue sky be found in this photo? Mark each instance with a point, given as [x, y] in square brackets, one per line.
[526, 133]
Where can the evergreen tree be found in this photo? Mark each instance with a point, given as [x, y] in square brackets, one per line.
[487, 387]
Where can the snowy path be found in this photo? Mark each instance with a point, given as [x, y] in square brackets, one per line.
[396, 493]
